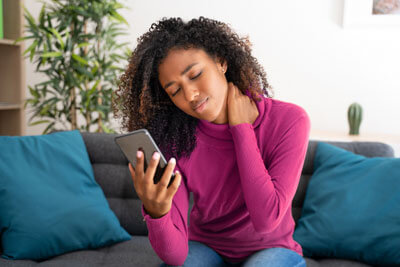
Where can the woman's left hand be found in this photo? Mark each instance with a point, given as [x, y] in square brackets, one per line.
[241, 109]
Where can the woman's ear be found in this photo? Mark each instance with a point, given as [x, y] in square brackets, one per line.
[222, 65]
[225, 66]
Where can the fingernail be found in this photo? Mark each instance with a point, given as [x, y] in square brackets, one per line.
[156, 155]
[139, 153]
[172, 160]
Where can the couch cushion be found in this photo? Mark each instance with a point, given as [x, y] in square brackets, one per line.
[111, 172]
[351, 207]
[49, 202]
[135, 252]
[368, 149]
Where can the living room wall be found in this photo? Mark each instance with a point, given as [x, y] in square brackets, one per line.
[309, 58]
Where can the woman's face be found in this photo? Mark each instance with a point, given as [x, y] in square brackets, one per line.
[196, 84]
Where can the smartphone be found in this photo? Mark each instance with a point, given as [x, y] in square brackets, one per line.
[141, 140]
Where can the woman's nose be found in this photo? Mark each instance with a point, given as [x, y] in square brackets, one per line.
[191, 93]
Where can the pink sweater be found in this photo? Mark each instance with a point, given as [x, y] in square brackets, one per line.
[243, 180]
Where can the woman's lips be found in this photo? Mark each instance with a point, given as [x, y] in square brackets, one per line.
[201, 107]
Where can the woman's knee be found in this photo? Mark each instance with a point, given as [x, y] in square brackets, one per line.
[279, 257]
[201, 255]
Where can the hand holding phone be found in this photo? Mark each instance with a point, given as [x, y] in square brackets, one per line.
[155, 183]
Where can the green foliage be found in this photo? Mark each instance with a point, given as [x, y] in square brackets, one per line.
[74, 46]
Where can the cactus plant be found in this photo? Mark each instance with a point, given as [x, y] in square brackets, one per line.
[354, 116]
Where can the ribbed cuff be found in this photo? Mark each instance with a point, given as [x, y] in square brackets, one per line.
[240, 127]
[155, 221]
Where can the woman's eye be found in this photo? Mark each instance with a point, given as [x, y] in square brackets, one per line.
[176, 91]
[196, 76]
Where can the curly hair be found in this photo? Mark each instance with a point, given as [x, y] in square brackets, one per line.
[141, 101]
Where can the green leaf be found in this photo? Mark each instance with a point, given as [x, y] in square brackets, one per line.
[38, 122]
[91, 91]
[42, 14]
[51, 54]
[30, 18]
[50, 102]
[49, 127]
[44, 83]
[118, 6]
[33, 92]
[49, 21]
[83, 71]
[79, 59]
[107, 129]
[44, 110]
[96, 67]
[29, 101]
[57, 34]
[118, 17]
[83, 45]
[23, 38]
[32, 52]
[31, 47]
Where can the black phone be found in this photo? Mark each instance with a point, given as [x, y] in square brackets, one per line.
[141, 140]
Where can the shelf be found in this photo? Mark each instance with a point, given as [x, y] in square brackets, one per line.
[9, 42]
[12, 71]
[9, 106]
[344, 136]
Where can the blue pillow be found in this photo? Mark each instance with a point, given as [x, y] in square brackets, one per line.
[351, 208]
[50, 203]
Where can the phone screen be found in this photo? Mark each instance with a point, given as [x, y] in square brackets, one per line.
[141, 140]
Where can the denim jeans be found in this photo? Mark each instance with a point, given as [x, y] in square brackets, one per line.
[201, 255]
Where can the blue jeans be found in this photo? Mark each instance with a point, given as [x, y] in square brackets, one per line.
[201, 255]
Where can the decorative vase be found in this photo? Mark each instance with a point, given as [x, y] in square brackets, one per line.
[354, 116]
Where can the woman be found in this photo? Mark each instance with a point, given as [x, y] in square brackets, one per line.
[202, 95]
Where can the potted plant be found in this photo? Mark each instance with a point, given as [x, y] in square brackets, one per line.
[354, 117]
[74, 44]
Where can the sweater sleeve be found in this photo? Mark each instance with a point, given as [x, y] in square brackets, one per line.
[269, 191]
[168, 235]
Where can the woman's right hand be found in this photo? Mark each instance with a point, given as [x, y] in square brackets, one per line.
[156, 198]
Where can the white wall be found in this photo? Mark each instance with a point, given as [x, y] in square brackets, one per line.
[309, 58]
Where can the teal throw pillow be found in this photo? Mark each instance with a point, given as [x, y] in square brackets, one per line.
[50, 203]
[351, 208]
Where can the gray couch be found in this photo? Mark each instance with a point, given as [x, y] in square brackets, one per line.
[111, 172]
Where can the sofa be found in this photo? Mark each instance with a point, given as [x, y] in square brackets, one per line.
[111, 173]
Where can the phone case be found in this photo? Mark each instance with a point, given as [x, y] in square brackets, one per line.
[141, 139]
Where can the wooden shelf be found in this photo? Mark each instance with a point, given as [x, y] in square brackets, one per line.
[9, 42]
[12, 71]
[9, 106]
[344, 136]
